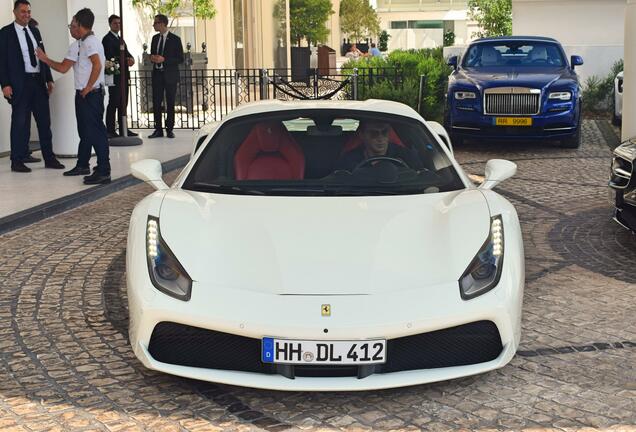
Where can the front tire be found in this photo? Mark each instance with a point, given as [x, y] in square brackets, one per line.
[456, 140]
[573, 141]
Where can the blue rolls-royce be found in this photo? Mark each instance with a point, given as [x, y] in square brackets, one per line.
[514, 87]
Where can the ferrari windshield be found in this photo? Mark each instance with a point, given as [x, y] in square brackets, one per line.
[323, 153]
[513, 53]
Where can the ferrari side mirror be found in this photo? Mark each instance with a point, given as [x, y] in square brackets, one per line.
[498, 170]
[149, 171]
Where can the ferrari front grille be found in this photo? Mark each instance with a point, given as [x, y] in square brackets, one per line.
[184, 345]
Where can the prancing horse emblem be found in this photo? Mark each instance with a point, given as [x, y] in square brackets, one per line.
[325, 310]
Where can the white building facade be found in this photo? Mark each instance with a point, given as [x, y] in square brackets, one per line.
[244, 33]
[592, 29]
[422, 23]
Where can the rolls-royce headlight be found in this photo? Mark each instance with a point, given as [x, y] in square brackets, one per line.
[461, 95]
[166, 273]
[563, 96]
[484, 271]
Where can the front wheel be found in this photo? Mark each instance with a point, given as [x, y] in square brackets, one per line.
[456, 140]
[573, 141]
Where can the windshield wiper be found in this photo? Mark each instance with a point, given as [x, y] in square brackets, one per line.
[236, 190]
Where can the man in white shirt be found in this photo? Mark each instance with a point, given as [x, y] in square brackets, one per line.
[26, 84]
[86, 57]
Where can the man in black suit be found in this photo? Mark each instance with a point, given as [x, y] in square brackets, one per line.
[26, 83]
[111, 44]
[166, 54]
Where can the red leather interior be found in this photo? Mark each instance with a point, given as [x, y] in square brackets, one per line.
[269, 153]
[356, 141]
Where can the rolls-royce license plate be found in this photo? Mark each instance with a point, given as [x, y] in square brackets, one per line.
[513, 121]
[291, 351]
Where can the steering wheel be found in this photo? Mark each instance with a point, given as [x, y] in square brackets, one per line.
[394, 161]
[540, 60]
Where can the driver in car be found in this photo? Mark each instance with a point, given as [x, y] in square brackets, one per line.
[376, 143]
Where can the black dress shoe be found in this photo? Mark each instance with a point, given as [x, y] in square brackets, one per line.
[53, 163]
[170, 134]
[97, 178]
[156, 134]
[112, 135]
[77, 171]
[31, 159]
[19, 167]
[132, 134]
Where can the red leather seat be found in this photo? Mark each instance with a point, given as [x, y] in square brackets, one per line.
[269, 153]
[356, 141]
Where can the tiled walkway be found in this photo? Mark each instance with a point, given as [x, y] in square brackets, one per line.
[21, 191]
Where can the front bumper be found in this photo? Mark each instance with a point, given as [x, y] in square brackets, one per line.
[247, 314]
[625, 211]
[618, 105]
[550, 125]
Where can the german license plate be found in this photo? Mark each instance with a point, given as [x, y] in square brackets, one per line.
[513, 121]
[291, 351]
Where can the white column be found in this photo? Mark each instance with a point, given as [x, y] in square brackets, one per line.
[53, 17]
[5, 109]
[629, 82]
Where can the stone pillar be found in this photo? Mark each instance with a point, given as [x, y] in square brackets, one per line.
[629, 82]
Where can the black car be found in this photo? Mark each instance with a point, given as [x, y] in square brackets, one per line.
[623, 182]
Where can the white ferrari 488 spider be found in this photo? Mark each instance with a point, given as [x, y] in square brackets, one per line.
[324, 245]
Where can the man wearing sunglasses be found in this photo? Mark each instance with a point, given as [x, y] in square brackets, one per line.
[376, 143]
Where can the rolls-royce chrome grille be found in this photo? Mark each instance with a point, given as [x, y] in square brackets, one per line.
[512, 101]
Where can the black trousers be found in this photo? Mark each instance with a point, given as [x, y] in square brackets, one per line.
[89, 112]
[159, 88]
[114, 97]
[34, 98]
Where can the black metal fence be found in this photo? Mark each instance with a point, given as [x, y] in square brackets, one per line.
[206, 95]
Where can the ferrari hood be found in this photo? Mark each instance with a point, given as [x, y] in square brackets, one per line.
[324, 245]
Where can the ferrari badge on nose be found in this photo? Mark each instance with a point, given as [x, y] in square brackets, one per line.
[326, 310]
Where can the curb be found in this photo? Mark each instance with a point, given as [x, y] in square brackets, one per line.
[60, 205]
[608, 133]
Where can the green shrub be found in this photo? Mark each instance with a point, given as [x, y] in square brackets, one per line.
[383, 41]
[449, 38]
[598, 92]
[413, 63]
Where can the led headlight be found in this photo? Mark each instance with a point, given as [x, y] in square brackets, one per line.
[563, 96]
[461, 95]
[484, 271]
[166, 273]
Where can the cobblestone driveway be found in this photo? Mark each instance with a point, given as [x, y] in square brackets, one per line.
[66, 363]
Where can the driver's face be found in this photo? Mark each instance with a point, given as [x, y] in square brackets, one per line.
[376, 139]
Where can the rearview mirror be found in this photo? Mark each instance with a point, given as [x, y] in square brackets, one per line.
[452, 61]
[149, 171]
[498, 170]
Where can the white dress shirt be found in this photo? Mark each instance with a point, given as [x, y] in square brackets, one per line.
[25, 48]
[162, 37]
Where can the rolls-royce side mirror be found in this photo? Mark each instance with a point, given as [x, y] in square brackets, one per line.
[576, 60]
